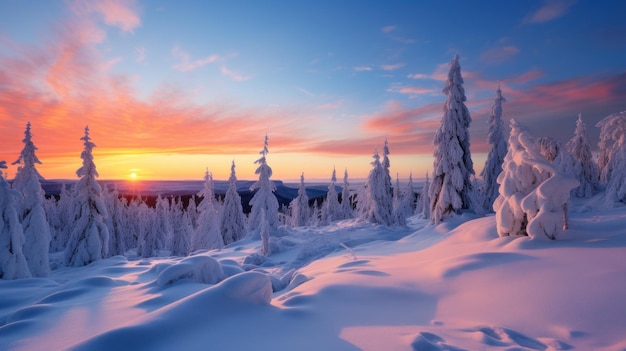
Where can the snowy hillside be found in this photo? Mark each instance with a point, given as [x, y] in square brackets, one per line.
[347, 286]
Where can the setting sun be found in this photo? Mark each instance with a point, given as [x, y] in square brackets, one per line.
[133, 176]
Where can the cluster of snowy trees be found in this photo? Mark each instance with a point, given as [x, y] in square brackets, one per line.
[526, 182]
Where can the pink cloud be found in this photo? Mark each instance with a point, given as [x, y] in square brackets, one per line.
[234, 75]
[117, 13]
[499, 54]
[552, 9]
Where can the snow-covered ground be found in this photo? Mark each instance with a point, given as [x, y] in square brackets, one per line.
[348, 286]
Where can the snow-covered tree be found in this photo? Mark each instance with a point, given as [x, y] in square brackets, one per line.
[264, 197]
[583, 168]
[64, 219]
[451, 185]
[30, 210]
[299, 207]
[549, 148]
[331, 209]
[398, 209]
[232, 220]
[346, 204]
[613, 156]
[181, 226]
[192, 211]
[375, 202]
[409, 197]
[425, 199]
[533, 193]
[147, 240]
[497, 142]
[266, 249]
[116, 221]
[208, 234]
[12, 261]
[89, 240]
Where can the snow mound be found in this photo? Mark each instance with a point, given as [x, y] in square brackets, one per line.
[200, 269]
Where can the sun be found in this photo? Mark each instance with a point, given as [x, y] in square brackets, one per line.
[133, 176]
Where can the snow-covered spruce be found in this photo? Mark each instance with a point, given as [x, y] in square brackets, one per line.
[613, 156]
[425, 199]
[497, 142]
[182, 229]
[533, 193]
[207, 235]
[583, 166]
[116, 221]
[299, 207]
[375, 199]
[331, 209]
[232, 221]
[89, 240]
[30, 209]
[12, 261]
[451, 186]
[266, 249]
[398, 211]
[263, 199]
[346, 203]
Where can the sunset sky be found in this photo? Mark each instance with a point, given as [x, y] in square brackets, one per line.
[169, 88]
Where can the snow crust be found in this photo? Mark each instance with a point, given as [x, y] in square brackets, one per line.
[351, 285]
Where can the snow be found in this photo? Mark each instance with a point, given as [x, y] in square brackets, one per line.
[351, 285]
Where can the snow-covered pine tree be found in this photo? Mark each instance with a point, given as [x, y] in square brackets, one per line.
[232, 220]
[584, 168]
[299, 206]
[613, 156]
[532, 192]
[208, 234]
[451, 185]
[266, 249]
[192, 211]
[398, 210]
[331, 209]
[375, 202]
[425, 199]
[147, 241]
[264, 197]
[12, 261]
[30, 209]
[64, 221]
[346, 204]
[89, 239]
[116, 221]
[181, 226]
[497, 141]
[409, 197]
[386, 165]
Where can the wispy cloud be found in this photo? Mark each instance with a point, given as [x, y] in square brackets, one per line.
[392, 67]
[117, 13]
[499, 54]
[331, 105]
[140, 54]
[551, 9]
[388, 29]
[234, 75]
[362, 68]
[412, 91]
[187, 63]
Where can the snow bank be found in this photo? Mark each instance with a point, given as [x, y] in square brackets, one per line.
[201, 269]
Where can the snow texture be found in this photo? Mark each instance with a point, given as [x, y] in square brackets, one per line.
[451, 187]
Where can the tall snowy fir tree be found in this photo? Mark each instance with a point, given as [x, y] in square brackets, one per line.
[398, 209]
[409, 197]
[375, 201]
[299, 206]
[613, 156]
[30, 210]
[89, 239]
[425, 198]
[116, 221]
[181, 227]
[331, 209]
[451, 185]
[497, 142]
[232, 220]
[346, 203]
[264, 197]
[583, 167]
[207, 235]
[12, 261]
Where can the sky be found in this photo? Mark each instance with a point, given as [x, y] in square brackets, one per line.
[171, 88]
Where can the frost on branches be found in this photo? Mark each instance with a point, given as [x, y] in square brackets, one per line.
[12, 261]
[497, 151]
[232, 221]
[612, 159]
[263, 199]
[533, 194]
[31, 211]
[451, 185]
[90, 236]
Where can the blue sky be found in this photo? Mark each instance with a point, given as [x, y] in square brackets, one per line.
[191, 84]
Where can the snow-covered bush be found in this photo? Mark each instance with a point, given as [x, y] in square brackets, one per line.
[533, 194]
